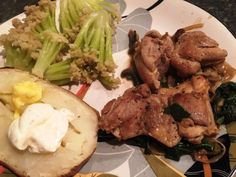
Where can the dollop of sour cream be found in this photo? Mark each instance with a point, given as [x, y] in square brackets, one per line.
[40, 128]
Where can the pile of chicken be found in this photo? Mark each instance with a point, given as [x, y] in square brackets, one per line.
[141, 110]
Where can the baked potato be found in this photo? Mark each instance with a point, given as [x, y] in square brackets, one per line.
[77, 146]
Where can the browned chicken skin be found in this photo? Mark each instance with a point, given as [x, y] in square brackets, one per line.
[193, 50]
[123, 116]
[194, 103]
[200, 118]
[159, 125]
[152, 57]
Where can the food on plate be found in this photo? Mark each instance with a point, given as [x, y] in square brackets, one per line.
[224, 103]
[139, 112]
[135, 112]
[194, 50]
[34, 42]
[73, 13]
[70, 124]
[152, 57]
[172, 104]
[23, 94]
[65, 43]
[192, 96]
[93, 48]
[159, 58]
[210, 148]
[40, 128]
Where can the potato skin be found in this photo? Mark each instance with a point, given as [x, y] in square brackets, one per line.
[73, 171]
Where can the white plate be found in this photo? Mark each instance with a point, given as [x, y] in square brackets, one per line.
[168, 16]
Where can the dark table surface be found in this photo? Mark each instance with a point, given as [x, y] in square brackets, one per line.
[223, 10]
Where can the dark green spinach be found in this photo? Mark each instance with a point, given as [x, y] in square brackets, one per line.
[177, 112]
[224, 103]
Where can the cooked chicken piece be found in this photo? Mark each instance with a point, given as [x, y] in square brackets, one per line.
[188, 129]
[159, 125]
[200, 116]
[197, 83]
[184, 67]
[193, 50]
[123, 116]
[193, 96]
[138, 112]
[194, 103]
[152, 57]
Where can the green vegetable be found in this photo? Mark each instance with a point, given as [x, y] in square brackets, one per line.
[177, 112]
[211, 148]
[21, 48]
[34, 44]
[92, 50]
[151, 146]
[73, 14]
[224, 103]
[72, 10]
[45, 30]
[59, 73]
[18, 58]
[52, 44]
[90, 25]
[186, 148]
[41, 18]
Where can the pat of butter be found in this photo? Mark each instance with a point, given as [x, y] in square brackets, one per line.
[25, 93]
[40, 128]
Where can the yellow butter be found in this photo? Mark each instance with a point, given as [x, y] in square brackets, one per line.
[25, 93]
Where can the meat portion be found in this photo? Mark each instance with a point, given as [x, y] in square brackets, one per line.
[138, 112]
[197, 84]
[187, 52]
[152, 57]
[192, 132]
[194, 103]
[123, 116]
[193, 50]
[159, 125]
[184, 67]
[193, 96]
[197, 125]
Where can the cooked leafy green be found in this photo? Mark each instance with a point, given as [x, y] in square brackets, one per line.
[152, 146]
[186, 148]
[177, 112]
[224, 103]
